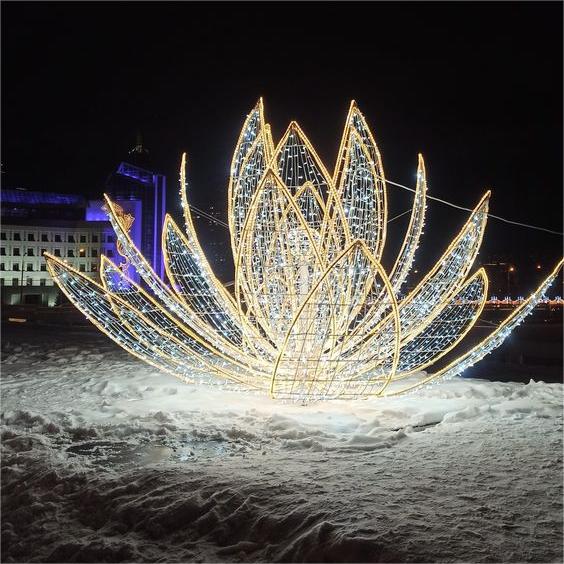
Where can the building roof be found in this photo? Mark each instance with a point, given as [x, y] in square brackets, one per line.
[55, 224]
[32, 197]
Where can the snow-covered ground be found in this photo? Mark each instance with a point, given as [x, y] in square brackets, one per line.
[104, 459]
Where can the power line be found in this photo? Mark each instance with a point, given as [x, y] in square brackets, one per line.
[398, 216]
[440, 200]
[223, 224]
[208, 216]
[511, 222]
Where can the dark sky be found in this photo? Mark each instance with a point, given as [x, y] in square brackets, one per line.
[475, 87]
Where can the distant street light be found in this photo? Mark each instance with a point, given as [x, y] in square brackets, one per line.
[509, 270]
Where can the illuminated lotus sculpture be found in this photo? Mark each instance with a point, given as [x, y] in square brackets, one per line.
[313, 314]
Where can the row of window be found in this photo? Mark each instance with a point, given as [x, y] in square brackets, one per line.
[28, 282]
[58, 238]
[57, 252]
[43, 267]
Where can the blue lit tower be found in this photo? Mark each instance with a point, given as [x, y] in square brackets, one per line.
[142, 193]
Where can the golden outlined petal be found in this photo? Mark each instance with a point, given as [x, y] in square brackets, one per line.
[308, 365]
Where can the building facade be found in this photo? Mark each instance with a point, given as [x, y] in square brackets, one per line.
[38, 222]
[24, 278]
[77, 230]
[141, 193]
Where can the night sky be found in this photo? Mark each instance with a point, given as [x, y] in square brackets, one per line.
[477, 88]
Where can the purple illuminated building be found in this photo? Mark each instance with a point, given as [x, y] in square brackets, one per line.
[142, 193]
[77, 230]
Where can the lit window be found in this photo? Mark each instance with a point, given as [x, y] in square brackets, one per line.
[82, 253]
[16, 251]
[30, 237]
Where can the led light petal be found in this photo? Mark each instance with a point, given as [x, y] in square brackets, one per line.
[249, 133]
[187, 273]
[253, 151]
[311, 205]
[194, 282]
[448, 275]
[92, 300]
[448, 328]
[362, 201]
[194, 253]
[278, 260]
[360, 183]
[313, 211]
[487, 345]
[254, 166]
[220, 342]
[118, 285]
[442, 282]
[298, 162]
[410, 244]
[308, 365]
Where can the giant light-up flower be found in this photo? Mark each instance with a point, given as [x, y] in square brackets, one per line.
[314, 315]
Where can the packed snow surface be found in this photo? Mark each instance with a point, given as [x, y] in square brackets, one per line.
[105, 459]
